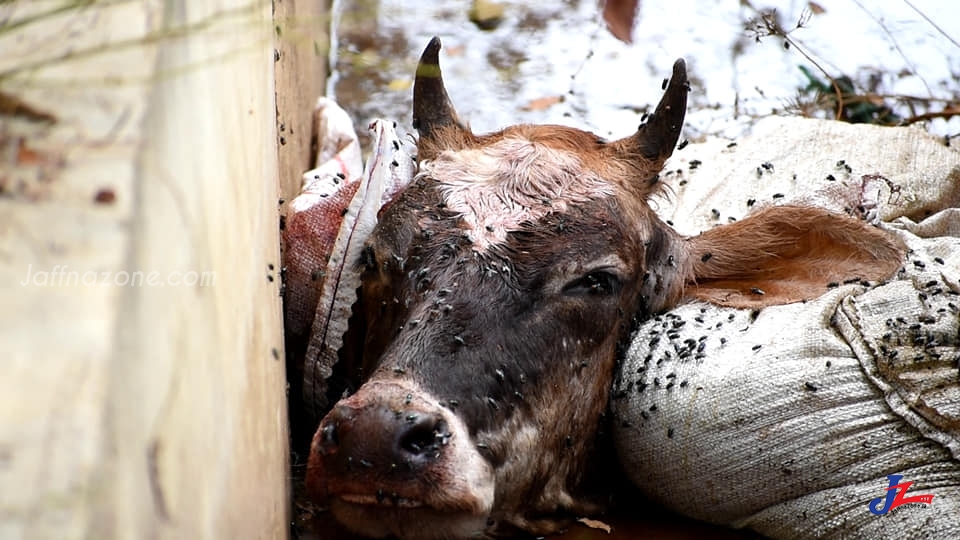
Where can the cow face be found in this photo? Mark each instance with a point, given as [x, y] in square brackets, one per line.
[496, 290]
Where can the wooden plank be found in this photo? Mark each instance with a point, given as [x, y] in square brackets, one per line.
[302, 28]
[302, 41]
[140, 147]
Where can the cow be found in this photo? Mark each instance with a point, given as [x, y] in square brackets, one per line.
[498, 290]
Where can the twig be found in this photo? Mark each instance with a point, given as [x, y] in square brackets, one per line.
[896, 45]
[149, 38]
[775, 29]
[933, 24]
[6, 28]
[947, 113]
[901, 97]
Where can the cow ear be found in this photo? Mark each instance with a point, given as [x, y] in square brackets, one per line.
[786, 254]
[434, 117]
[654, 140]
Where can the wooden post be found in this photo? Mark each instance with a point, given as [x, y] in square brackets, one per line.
[142, 390]
[302, 52]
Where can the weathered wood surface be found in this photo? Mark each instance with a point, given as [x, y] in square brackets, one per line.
[302, 50]
[140, 137]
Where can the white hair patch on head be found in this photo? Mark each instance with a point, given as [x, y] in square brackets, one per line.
[514, 180]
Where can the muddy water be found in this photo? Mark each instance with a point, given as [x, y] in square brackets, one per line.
[553, 61]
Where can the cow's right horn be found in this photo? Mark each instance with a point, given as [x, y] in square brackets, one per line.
[432, 110]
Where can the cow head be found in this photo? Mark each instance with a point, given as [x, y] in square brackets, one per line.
[496, 291]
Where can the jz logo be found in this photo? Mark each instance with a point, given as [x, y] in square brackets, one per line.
[895, 496]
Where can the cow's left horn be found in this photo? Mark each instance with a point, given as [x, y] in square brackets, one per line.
[432, 109]
[656, 139]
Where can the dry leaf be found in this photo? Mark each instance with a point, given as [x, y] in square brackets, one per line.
[815, 8]
[486, 14]
[399, 85]
[543, 103]
[596, 524]
[620, 16]
[455, 50]
[28, 156]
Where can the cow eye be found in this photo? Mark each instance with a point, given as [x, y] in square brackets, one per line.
[596, 283]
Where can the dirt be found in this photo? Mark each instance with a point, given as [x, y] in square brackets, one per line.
[555, 62]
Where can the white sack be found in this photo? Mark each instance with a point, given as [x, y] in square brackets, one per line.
[788, 420]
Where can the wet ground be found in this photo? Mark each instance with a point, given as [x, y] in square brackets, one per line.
[555, 62]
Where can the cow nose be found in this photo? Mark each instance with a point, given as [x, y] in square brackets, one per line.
[380, 439]
[422, 435]
[328, 437]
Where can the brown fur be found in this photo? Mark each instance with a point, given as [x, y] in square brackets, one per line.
[514, 337]
[789, 253]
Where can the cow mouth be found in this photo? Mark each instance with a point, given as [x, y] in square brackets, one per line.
[404, 519]
[396, 498]
[380, 499]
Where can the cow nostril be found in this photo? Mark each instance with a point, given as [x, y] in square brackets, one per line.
[424, 435]
[328, 436]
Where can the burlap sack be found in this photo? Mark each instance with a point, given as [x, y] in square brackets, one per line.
[790, 420]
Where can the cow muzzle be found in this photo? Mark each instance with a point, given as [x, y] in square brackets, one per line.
[390, 460]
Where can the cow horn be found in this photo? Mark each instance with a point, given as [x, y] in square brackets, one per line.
[431, 104]
[655, 139]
